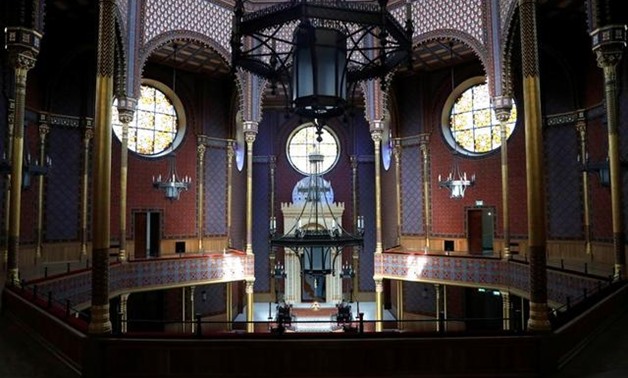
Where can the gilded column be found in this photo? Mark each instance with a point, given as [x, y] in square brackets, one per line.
[230, 155]
[427, 204]
[376, 135]
[272, 255]
[355, 256]
[229, 305]
[439, 309]
[505, 310]
[100, 321]
[581, 128]
[379, 304]
[397, 157]
[21, 61]
[503, 106]
[250, 132]
[608, 44]
[7, 186]
[126, 110]
[192, 312]
[250, 325]
[538, 320]
[88, 135]
[400, 307]
[123, 312]
[44, 129]
[200, 186]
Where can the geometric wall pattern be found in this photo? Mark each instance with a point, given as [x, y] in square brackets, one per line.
[430, 15]
[563, 182]
[203, 17]
[215, 191]
[62, 201]
[411, 191]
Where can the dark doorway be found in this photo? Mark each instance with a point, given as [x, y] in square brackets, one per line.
[483, 309]
[480, 231]
[147, 226]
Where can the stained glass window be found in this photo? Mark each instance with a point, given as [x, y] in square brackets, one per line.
[155, 124]
[303, 142]
[472, 121]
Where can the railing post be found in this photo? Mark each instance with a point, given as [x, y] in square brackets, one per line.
[198, 325]
[34, 291]
[49, 299]
[68, 267]
[361, 322]
[45, 272]
[586, 268]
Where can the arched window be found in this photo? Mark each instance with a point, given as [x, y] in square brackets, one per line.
[158, 123]
[303, 141]
[469, 123]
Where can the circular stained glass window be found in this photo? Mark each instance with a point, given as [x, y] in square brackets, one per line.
[469, 122]
[158, 123]
[303, 143]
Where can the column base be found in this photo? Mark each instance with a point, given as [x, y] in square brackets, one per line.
[13, 277]
[620, 272]
[100, 323]
[539, 320]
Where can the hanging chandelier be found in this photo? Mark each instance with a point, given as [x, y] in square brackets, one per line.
[171, 184]
[456, 181]
[30, 167]
[315, 50]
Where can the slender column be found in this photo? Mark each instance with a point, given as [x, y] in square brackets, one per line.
[126, 109]
[356, 250]
[44, 129]
[22, 62]
[379, 304]
[229, 305]
[445, 307]
[7, 186]
[192, 314]
[184, 304]
[426, 193]
[400, 307]
[608, 45]
[272, 255]
[87, 138]
[438, 306]
[397, 157]
[230, 155]
[503, 106]
[376, 135]
[581, 128]
[250, 133]
[100, 322]
[250, 325]
[200, 185]
[506, 310]
[123, 312]
[538, 320]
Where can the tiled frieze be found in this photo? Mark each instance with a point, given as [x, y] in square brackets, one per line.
[494, 273]
[154, 274]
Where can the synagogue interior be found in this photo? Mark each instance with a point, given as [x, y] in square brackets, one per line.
[313, 188]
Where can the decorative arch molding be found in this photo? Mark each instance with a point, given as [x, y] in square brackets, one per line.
[147, 49]
[508, 23]
[251, 91]
[480, 50]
